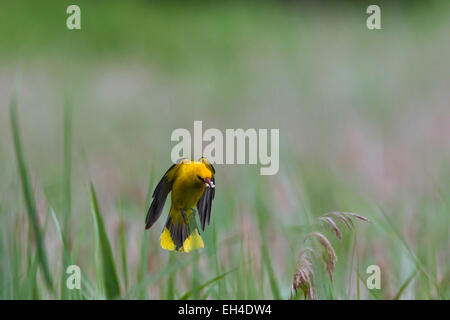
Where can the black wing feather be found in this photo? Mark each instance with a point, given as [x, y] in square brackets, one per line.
[159, 199]
[204, 205]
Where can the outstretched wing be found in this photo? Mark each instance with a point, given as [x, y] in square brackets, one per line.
[205, 203]
[160, 195]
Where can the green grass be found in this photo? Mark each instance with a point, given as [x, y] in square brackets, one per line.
[109, 283]
[361, 130]
[29, 198]
[108, 270]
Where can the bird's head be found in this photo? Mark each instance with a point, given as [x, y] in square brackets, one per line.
[205, 175]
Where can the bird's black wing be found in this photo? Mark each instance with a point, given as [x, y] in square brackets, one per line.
[205, 203]
[160, 195]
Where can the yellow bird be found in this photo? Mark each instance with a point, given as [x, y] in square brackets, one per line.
[192, 184]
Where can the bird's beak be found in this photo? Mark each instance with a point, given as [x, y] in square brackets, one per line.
[209, 183]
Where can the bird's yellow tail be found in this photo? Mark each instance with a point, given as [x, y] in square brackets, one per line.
[181, 235]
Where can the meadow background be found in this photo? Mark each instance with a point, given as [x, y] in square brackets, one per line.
[364, 121]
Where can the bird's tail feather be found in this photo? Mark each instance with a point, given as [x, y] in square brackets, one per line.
[181, 236]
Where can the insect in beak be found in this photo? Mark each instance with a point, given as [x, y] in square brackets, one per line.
[209, 183]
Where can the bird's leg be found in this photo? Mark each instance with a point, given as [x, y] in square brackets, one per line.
[184, 216]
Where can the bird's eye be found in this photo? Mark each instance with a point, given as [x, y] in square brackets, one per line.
[200, 178]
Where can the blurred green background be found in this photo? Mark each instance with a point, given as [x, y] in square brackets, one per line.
[364, 123]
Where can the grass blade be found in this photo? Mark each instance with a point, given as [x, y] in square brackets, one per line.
[171, 279]
[195, 278]
[142, 270]
[134, 292]
[28, 194]
[110, 278]
[404, 285]
[206, 284]
[411, 252]
[67, 169]
[272, 279]
[65, 293]
[123, 249]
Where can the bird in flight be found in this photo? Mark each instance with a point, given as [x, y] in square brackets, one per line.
[192, 183]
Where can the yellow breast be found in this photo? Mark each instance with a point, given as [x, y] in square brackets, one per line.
[187, 189]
